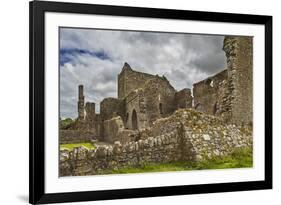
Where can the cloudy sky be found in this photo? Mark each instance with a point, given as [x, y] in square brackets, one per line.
[95, 57]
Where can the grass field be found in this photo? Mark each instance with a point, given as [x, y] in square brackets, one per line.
[71, 146]
[240, 158]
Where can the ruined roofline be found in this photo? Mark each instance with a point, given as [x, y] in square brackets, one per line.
[109, 98]
[126, 66]
[158, 78]
[210, 77]
[151, 76]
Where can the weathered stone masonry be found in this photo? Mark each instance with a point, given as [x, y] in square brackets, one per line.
[239, 53]
[144, 98]
[152, 122]
[80, 103]
[187, 135]
[207, 93]
[229, 94]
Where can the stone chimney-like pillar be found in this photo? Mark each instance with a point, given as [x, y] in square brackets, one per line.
[81, 102]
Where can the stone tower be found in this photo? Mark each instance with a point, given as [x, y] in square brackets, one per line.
[239, 54]
[81, 101]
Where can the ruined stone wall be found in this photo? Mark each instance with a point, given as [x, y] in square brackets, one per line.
[90, 124]
[111, 128]
[114, 130]
[90, 112]
[229, 94]
[224, 101]
[98, 126]
[187, 135]
[209, 135]
[111, 107]
[162, 149]
[76, 136]
[135, 102]
[239, 53]
[183, 98]
[156, 99]
[206, 93]
[159, 99]
[81, 130]
[130, 80]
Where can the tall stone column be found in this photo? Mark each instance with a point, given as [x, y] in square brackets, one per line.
[81, 102]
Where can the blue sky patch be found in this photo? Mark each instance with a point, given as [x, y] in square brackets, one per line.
[67, 55]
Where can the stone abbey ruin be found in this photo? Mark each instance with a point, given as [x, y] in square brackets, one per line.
[150, 121]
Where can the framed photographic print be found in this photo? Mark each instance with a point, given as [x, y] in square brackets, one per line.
[141, 102]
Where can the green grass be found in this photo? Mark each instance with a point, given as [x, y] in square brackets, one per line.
[240, 158]
[72, 146]
[152, 167]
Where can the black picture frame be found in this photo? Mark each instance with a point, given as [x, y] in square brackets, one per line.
[37, 11]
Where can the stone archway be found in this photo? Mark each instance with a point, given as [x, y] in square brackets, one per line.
[134, 120]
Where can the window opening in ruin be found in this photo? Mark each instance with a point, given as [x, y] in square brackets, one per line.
[160, 108]
[134, 120]
[215, 108]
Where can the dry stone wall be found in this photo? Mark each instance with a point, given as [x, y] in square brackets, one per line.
[80, 161]
[207, 134]
[187, 135]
